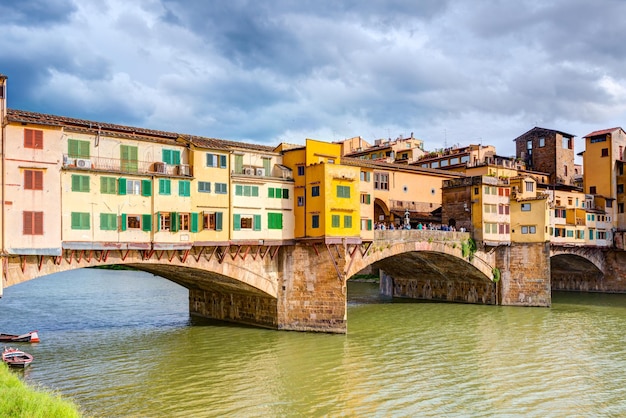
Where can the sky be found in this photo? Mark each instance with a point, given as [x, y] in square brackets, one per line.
[452, 72]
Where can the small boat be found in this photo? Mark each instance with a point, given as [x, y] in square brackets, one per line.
[29, 337]
[16, 358]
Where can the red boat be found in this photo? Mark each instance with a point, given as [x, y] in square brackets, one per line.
[29, 337]
[16, 358]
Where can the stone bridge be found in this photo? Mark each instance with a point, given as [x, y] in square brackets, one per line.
[302, 285]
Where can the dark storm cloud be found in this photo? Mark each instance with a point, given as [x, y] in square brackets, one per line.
[35, 12]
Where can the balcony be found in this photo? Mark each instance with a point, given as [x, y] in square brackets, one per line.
[116, 165]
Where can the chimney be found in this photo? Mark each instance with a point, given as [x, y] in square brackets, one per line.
[3, 98]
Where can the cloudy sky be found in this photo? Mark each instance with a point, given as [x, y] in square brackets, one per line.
[450, 71]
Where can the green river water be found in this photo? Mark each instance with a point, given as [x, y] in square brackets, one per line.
[122, 344]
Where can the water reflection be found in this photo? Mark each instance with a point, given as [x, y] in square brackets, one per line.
[122, 344]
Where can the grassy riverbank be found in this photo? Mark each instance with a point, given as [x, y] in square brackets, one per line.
[20, 400]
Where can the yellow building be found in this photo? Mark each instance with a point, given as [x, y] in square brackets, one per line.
[568, 214]
[327, 192]
[262, 195]
[210, 164]
[530, 211]
[603, 168]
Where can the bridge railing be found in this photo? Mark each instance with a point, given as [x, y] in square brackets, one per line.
[420, 235]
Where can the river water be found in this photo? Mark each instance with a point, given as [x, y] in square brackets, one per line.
[121, 343]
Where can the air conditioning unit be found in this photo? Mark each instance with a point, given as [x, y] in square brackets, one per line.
[160, 167]
[83, 163]
[248, 171]
[260, 172]
[183, 170]
[67, 161]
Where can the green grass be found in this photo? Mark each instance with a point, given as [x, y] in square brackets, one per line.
[20, 400]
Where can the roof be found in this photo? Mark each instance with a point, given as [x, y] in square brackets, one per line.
[536, 128]
[110, 129]
[356, 162]
[603, 132]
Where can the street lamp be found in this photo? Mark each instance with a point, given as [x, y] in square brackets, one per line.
[406, 217]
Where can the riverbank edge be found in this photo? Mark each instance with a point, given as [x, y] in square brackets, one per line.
[18, 399]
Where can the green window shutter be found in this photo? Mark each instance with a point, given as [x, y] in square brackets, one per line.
[158, 221]
[146, 187]
[257, 222]
[285, 193]
[165, 186]
[194, 222]
[238, 190]
[335, 221]
[368, 199]
[146, 222]
[247, 191]
[255, 191]
[210, 160]
[174, 222]
[104, 222]
[369, 224]
[347, 221]
[267, 166]
[218, 221]
[75, 220]
[72, 148]
[270, 192]
[75, 183]
[108, 222]
[222, 161]
[236, 222]
[346, 191]
[176, 157]
[238, 164]
[274, 221]
[167, 156]
[123, 222]
[121, 186]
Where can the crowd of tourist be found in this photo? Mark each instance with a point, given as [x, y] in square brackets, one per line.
[382, 226]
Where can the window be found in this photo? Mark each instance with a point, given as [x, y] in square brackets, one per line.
[530, 186]
[343, 191]
[529, 144]
[592, 189]
[32, 223]
[444, 163]
[315, 191]
[133, 221]
[529, 229]
[108, 185]
[454, 161]
[605, 152]
[247, 190]
[33, 138]
[108, 222]
[580, 234]
[565, 169]
[489, 208]
[366, 199]
[301, 170]
[503, 209]
[204, 187]
[33, 180]
[620, 208]
[80, 183]
[335, 221]
[347, 221]
[164, 220]
[591, 231]
[184, 188]
[476, 190]
[77, 148]
[80, 220]
[570, 233]
[366, 224]
[315, 221]
[567, 142]
[300, 200]
[171, 156]
[525, 207]
[183, 222]
[274, 220]
[277, 193]
[128, 157]
[381, 181]
[216, 160]
[365, 176]
[465, 159]
[601, 235]
[491, 228]
[133, 187]
[165, 187]
[620, 188]
[434, 164]
[542, 142]
[221, 188]
[246, 222]
[597, 139]
[212, 221]
[559, 213]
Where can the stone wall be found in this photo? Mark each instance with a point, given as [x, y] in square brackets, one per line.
[311, 294]
[525, 274]
[233, 307]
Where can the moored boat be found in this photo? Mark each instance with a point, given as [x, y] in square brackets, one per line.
[16, 358]
[29, 337]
